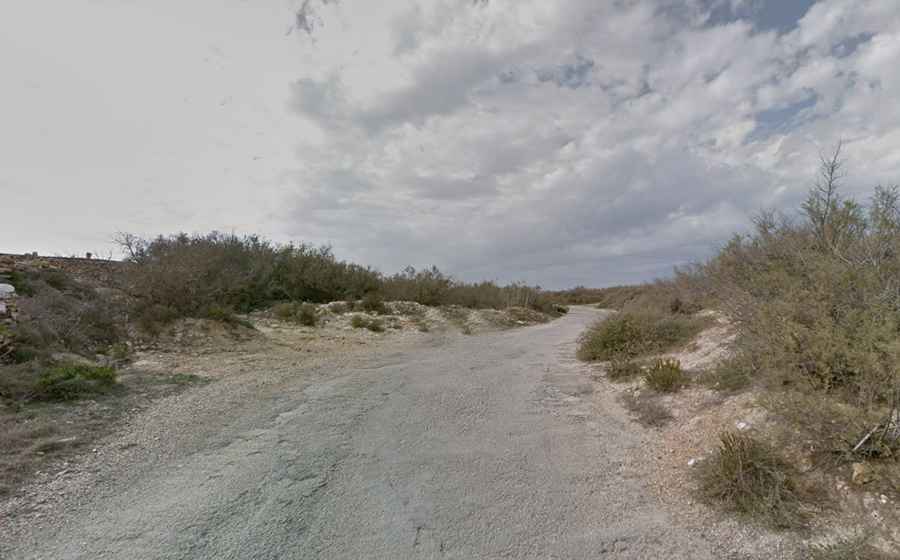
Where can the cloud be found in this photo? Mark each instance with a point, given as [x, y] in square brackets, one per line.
[522, 140]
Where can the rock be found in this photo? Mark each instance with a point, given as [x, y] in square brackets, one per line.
[742, 426]
[861, 474]
[7, 291]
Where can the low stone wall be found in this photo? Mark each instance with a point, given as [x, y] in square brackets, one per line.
[94, 271]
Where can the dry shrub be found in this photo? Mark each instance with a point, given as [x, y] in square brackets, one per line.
[729, 376]
[302, 313]
[186, 274]
[748, 477]
[621, 369]
[647, 409]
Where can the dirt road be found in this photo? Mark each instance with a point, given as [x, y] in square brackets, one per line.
[492, 446]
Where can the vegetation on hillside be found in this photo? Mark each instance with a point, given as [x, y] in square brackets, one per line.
[815, 301]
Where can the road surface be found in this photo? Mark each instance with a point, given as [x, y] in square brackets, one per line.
[491, 446]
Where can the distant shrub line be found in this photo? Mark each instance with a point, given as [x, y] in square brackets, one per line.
[190, 275]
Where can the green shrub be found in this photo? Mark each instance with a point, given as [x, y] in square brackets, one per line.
[665, 376]
[633, 334]
[306, 315]
[285, 311]
[729, 376]
[373, 302]
[73, 381]
[359, 322]
[746, 476]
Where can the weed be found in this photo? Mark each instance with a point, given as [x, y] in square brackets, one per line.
[285, 311]
[729, 376]
[306, 315]
[647, 409]
[74, 381]
[622, 369]
[665, 376]
[746, 476]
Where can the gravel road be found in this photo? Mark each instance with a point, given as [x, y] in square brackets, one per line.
[492, 446]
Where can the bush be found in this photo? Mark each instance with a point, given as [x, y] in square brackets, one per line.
[303, 313]
[665, 376]
[359, 322]
[285, 311]
[373, 302]
[73, 381]
[647, 409]
[375, 325]
[729, 376]
[306, 315]
[621, 369]
[187, 274]
[746, 476]
[633, 334]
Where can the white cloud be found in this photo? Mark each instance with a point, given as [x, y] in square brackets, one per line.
[557, 142]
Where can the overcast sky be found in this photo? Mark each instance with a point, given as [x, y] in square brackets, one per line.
[560, 142]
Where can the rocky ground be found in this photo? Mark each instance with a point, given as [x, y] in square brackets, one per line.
[697, 415]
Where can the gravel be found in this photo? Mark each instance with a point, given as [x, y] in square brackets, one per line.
[491, 446]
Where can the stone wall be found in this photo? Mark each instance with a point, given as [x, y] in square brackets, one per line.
[90, 270]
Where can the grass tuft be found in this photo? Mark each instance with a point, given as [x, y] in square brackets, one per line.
[621, 369]
[748, 477]
[74, 381]
[665, 376]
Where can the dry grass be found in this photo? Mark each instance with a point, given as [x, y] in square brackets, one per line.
[746, 476]
[622, 369]
[647, 409]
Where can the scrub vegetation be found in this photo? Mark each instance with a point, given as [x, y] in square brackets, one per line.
[815, 303]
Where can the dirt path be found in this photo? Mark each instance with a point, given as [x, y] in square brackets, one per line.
[492, 446]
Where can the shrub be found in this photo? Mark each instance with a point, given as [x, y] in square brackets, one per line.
[285, 311]
[632, 334]
[339, 308]
[73, 381]
[665, 376]
[359, 322]
[375, 325]
[187, 273]
[373, 302]
[647, 409]
[306, 315]
[621, 369]
[746, 476]
[729, 376]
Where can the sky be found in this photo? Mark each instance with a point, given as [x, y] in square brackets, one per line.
[560, 143]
